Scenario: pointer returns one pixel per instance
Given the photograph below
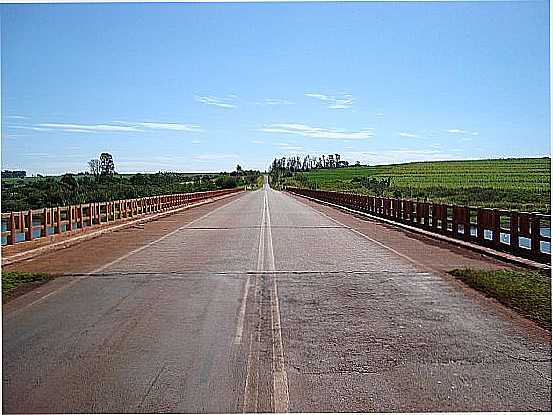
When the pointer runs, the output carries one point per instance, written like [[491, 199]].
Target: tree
[[107, 167], [94, 166], [69, 182], [238, 168]]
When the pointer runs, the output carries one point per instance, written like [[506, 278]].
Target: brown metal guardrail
[[33, 224], [522, 234]]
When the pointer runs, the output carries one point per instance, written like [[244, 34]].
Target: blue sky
[[202, 87]]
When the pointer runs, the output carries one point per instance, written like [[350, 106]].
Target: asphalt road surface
[[265, 304]]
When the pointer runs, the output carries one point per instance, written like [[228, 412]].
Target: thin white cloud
[[343, 102], [41, 155], [123, 126], [409, 135], [460, 131], [399, 156], [87, 128], [196, 142], [12, 136], [25, 127], [170, 126], [16, 117], [258, 142], [274, 101], [226, 102], [317, 132]]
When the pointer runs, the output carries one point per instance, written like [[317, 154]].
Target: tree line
[[287, 166], [102, 184], [295, 163], [14, 174]]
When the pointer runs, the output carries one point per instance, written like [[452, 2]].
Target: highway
[[265, 303]]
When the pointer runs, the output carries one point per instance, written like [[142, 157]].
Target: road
[[265, 304]]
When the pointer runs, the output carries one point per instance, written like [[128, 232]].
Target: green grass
[[11, 280], [527, 292], [521, 183]]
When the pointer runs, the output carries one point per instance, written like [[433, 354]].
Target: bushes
[[75, 189]]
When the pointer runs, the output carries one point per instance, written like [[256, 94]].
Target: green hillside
[[522, 183]]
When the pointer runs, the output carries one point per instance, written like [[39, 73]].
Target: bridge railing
[[32, 224], [522, 234]]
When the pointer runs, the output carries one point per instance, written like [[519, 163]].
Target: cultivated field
[[522, 183]]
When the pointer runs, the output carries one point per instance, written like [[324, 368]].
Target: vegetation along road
[[266, 302], [518, 183]]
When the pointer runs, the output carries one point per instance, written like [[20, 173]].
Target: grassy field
[[14, 282], [523, 183], [527, 292]]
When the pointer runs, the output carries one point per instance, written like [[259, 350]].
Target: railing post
[[466, 225], [513, 232], [70, 218], [57, 228], [44, 226], [479, 225], [81, 220], [496, 237], [21, 222], [12, 236], [536, 236], [99, 212], [454, 222], [426, 214], [29, 236], [434, 211]]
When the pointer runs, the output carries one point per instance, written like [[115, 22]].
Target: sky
[[203, 87]]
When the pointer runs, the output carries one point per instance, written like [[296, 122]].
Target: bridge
[[264, 301]]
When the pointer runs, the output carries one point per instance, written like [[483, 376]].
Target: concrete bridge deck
[[264, 302]]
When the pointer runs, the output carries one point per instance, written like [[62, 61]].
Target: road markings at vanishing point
[[281, 397], [242, 311], [250, 386], [280, 379]]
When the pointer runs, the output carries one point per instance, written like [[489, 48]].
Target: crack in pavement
[[214, 273]]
